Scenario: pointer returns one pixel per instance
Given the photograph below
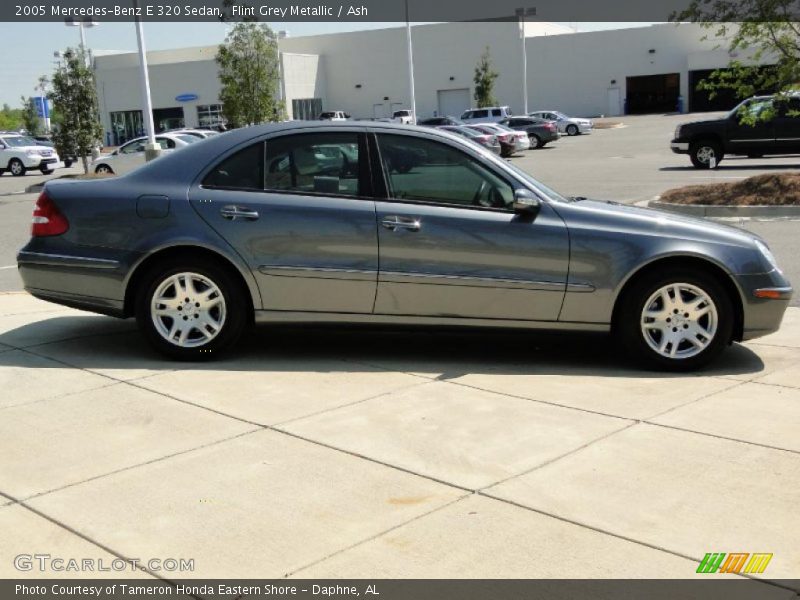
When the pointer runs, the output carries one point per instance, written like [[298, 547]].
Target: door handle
[[408, 223], [238, 212]]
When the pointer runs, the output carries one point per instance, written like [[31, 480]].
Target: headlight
[[767, 254], [677, 132], [32, 152]]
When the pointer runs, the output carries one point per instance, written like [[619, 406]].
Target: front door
[[787, 127], [451, 246], [752, 138], [298, 210]]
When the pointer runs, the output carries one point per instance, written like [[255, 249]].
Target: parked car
[[491, 114], [707, 142], [568, 125], [508, 142], [131, 155], [487, 140], [405, 117], [198, 133], [202, 242], [520, 138], [19, 154], [68, 159], [540, 132], [334, 115], [440, 121]]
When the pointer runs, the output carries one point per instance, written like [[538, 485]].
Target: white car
[[490, 114], [198, 133], [334, 115], [404, 117], [568, 125], [19, 153], [131, 155]]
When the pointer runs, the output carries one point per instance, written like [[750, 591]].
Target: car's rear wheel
[[536, 141], [572, 130], [677, 320], [16, 167], [191, 311], [103, 170], [67, 163], [705, 153], [46, 171]]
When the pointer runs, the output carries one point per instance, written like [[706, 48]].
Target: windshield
[[188, 138], [18, 141], [751, 107]]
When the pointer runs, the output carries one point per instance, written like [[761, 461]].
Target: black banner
[[713, 588], [379, 10]]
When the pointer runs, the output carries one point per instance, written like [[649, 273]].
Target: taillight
[[551, 127], [47, 219]]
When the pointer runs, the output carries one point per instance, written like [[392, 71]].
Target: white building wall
[[303, 77]]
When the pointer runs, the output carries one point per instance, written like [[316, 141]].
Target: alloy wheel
[[679, 321], [188, 310]]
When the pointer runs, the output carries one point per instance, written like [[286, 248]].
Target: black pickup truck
[[707, 142]]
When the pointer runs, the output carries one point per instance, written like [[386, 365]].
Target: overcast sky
[[30, 46]]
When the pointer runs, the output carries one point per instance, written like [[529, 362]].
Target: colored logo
[[186, 97], [734, 562]]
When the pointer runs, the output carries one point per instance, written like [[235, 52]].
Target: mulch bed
[[772, 189]]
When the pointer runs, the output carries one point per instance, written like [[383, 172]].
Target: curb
[[32, 189], [707, 210]]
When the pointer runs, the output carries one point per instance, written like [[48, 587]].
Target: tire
[[67, 163], [662, 338], [47, 171], [227, 308], [572, 130], [16, 168], [702, 151], [536, 141], [104, 170]]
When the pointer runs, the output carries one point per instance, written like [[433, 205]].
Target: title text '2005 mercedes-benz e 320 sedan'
[[380, 223]]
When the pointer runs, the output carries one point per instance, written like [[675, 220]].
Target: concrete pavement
[[373, 453]]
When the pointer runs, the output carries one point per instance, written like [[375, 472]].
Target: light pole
[[151, 149], [410, 70], [522, 13], [82, 24]]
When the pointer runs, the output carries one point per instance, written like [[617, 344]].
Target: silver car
[[389, 224], [568, 125]]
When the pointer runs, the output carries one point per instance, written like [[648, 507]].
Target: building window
[[306, 109], [126, 125], [210, 115]]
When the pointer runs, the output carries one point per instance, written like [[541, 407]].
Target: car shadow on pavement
[[748, 166], [92, 342]]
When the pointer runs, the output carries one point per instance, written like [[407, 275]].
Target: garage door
[[453, 102]]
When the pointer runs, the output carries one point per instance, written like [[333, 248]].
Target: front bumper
[[766, 297], [679, 147], [38, 162]]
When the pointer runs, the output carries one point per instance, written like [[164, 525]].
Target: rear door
[[787, 127], [451, 246], [298, 209]]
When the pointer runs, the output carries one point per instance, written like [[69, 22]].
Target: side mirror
[[526, 203]]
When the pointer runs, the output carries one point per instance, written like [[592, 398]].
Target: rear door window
[[243, 170]]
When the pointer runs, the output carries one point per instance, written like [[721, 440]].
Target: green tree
[[763, 31], [484, 79], [75, 98], [30, 116], [249, 75], [10, 118]]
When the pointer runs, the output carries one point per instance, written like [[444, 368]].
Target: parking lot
[[362, 453]]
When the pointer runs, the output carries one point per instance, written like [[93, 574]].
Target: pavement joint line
[[378, 535], [75, 532], [621, 536], [735, 383], [721, 437], [60, 396], [349, 404], [137, 465], [558, 458], [769, 384]]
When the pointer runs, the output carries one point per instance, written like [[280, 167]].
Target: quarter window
[[423, 170], [241, 171], [321, 163]]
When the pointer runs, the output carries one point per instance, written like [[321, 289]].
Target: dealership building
[[652, 69]]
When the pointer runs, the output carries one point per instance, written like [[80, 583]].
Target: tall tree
[[766, 32], [30, 115], [74, 95], [484, 79], [10, 118], [249, 75]]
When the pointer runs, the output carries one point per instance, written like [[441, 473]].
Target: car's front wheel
[[16, 167], [678, 319], [572, 130], [705, 154], [191, 311], [536, 141]]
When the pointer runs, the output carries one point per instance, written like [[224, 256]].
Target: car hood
[[650, 220], [702, 122], [36, 148]]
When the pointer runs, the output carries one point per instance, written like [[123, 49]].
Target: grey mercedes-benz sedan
[[381, 223]]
